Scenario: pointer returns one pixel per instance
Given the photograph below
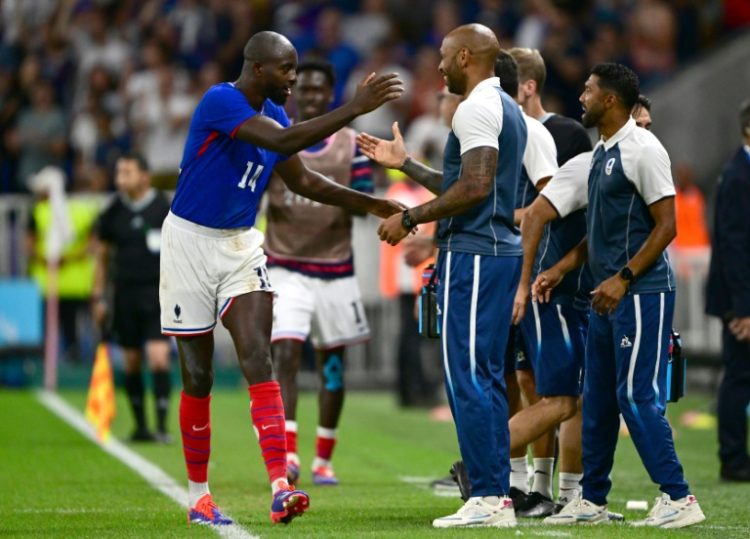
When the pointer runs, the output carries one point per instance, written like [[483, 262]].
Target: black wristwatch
[[627, 274], [406, 220]]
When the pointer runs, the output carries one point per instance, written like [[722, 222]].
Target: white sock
[[519, 475], [278, 484], [291, 426], [568, 487], [196, 491], [543, 476], [326, 433], [492, 500], [318, 462]]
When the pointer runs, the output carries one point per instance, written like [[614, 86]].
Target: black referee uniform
[[133, 232]]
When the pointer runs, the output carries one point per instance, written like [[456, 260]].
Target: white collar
[[623, 132], [492, 81]]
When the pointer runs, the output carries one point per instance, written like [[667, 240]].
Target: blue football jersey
[[222, 179]]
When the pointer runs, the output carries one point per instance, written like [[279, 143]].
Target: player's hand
[[385, 208], [374, 91], [520, 303], [606, 296], [386, 153], [391, 230], [416, 249], [545, 283], [740, 328], [99, 311]]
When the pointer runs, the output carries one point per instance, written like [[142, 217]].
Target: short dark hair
[[619, 79], [745, 118], [506, 68], [138, 158], [643, 102], [323, 66]]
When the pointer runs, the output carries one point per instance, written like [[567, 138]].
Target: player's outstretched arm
[[315, 186], [472, 187], [392, 154], [538, 214], [371, 93]]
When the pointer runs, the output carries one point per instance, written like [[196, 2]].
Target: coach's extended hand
[[374, 91], [386, 153]]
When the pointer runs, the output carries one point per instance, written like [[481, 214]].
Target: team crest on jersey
[[609, 166], [625, 342]]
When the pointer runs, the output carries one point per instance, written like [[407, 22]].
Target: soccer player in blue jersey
[[479, 262], [212, 264], [630, 221]]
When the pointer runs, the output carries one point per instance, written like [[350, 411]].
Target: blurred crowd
[[82, 81]]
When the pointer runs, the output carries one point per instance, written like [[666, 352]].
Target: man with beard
[[479, 261], [630, 221], [212, 262]]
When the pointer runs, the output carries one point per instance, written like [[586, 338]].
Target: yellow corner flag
[[100, 407]]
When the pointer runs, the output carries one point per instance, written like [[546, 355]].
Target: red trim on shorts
[[226, 308], [287, 338], [186, 333]]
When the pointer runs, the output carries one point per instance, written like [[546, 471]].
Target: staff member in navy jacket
[[728, 296]]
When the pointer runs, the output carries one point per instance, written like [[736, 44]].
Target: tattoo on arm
[[429, 177], [472, 187]]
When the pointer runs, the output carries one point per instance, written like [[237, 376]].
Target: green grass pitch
[[55, 483]]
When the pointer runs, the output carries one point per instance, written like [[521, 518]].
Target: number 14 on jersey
[[244, 182]]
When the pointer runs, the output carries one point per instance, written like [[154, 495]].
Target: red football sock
[[267, 411], [195, 426], [324, 444], [291, 439]]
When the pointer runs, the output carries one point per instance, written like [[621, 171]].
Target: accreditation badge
[[153, 240]]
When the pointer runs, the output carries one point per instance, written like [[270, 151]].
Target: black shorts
[[515, 352], [136, 316]]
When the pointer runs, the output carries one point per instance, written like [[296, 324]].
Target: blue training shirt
[[629, 172], [487, 117], [222, 179]]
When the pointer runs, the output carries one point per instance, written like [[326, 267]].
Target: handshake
[[398, 223]]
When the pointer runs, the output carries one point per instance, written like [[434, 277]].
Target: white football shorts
[[202, 270], [329, 310]]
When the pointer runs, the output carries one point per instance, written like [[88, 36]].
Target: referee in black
[[128, 237]]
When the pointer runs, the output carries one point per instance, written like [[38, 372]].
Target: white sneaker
[[669, 513], [478, 512], [579, 511]]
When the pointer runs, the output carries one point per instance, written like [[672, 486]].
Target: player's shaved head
[[479, 39], [266, 46], [270, 68]]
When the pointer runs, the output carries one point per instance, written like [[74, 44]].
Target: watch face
[[406, 220]]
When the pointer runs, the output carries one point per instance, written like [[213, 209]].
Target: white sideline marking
[[154, 476]]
